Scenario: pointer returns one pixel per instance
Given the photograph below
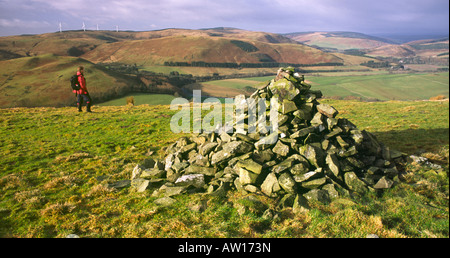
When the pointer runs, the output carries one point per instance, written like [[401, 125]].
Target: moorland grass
[[56, 164]]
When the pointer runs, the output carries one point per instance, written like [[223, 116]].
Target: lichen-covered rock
[[196, 180], [270, 185], [354, 183]]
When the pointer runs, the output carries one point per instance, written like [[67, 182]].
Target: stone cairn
[[316, 156]]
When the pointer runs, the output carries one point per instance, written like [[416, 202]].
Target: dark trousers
[[86, 98]]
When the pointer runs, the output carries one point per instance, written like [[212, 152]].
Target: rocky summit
[[315, 156]]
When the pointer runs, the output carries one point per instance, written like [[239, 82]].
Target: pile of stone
[[316, 156]]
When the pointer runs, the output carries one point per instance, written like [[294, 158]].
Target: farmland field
[[382, 87]]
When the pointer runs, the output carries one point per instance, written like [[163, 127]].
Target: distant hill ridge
[[36, 68], [344, 34]]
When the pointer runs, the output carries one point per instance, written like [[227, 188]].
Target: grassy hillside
[[141, 99], [36, 68], [338, 40], [421, 48], [44, 81], [56, 165], [207, 49]]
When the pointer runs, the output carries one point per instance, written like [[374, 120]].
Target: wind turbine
[[60, 27], [84, 27]]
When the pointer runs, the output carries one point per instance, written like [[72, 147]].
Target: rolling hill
[[206, 49], [437, 48], [77, 43], [338, 40], [44, 81], [36, 68], [373, 46]]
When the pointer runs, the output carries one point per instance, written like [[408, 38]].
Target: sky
[[373, 17]]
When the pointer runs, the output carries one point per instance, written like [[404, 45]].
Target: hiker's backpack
[[74, 83]]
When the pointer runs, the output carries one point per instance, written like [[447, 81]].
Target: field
[[56, 164], [375, 86]]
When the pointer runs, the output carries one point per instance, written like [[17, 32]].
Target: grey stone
[[332, 192], [153, 173], [120, 184], [288, 106], [302, 132], [287, 183], [283, 89], [140, 185], [300, 204], [193, 169], [300, 168], [206, 148], [333, 163], [250, 165], [354, 183], [188, 148], [238, 147], [317, 119], [313, 154], [327, 110], [383, 183], [270, 185], [317, 195], [315, 183], [251, 188], [173, 190], [281, 149], [220, 190], [304, 176], [165, 201], [284, 165], [196, 180], [262, 156], [221, 156], [179, 166], [267, 141], [136, 173], [246, 177]]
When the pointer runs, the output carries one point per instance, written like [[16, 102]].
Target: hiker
[[82, 93]]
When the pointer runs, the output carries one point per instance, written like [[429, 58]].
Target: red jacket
[[82, 81]]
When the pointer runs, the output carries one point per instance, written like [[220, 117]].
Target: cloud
[[18, 23], [264, 15]]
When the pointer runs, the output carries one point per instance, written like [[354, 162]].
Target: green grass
[[53, 160], [141, 99], [385, 87]]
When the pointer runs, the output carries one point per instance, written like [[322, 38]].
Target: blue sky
[[375, 17]]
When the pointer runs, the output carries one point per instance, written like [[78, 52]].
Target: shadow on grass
[[414, 141]]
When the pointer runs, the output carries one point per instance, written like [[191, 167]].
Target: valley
[[36, 68]]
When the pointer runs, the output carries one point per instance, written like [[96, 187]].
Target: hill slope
[[36, 68], [423, 48], [205, 49], [76, 43], [338, 40], [44, 81]]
